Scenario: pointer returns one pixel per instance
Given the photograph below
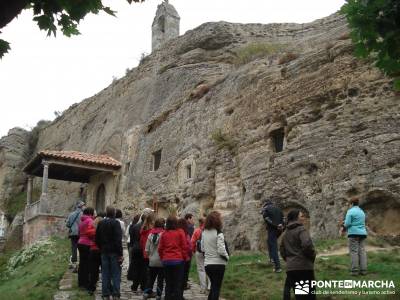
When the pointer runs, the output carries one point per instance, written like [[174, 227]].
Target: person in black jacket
[[137, 270], [298, 251], [109, 241], [273, 217]]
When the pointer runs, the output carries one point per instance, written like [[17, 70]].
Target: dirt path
[[345, 250]]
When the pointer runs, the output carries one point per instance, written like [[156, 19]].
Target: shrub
[[222, 140], [287, 57], [255, 51], [21, 258]]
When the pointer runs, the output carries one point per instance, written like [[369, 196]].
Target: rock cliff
[[240, 112]]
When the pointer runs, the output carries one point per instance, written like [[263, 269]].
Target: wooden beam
[[82, 166]]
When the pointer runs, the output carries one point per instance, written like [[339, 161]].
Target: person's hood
[[293, 225], [79, 204], [86, 217], [156, 230]]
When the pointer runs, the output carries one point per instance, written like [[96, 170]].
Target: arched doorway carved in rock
[[101, 198]]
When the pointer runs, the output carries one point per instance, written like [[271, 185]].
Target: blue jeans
[[272, 243], [110, 272]]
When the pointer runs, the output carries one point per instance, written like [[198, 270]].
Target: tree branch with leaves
[[375, 31]]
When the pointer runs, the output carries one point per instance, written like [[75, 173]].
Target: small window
[[156, 160], [127, 167], [188, 171], [161, 24], [277, 137]]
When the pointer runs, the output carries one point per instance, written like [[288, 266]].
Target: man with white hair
[[72, 224]]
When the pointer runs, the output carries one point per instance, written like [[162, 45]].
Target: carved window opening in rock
[[188, 171], [101, 198], [278, 138], [127, 167], [161, 24], [156, 160]]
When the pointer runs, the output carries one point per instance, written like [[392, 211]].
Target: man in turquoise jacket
[[357, 233]]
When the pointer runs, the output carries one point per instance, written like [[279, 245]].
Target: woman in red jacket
[[95, 255], [173, 250], [148, 224]]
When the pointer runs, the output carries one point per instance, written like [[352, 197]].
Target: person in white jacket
[[215, 253]]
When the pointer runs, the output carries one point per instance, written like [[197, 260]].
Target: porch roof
[[71, 165]]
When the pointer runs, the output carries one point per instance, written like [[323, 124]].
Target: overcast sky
[[42, 75]]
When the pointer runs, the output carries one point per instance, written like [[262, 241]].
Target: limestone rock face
[[207, 122], [14, 153]]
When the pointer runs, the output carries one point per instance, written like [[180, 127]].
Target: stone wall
[[44, 226]]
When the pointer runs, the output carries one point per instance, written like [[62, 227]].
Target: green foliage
[[4, 47], [222, 140], [63, 15], [38, 278], [375, 31], [254, 51], [26, 255]]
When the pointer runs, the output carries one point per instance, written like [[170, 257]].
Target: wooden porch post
[[43, 196], [29, 191]]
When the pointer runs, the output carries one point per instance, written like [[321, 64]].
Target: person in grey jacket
[[215, 253], [72, 224], [297, 250], [156, 269]]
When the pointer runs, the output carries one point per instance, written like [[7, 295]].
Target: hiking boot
[[363, 273], [277, 270], [354, 274]]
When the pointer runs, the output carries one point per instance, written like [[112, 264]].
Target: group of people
[[98, 239], [297, 248], [160, 251]]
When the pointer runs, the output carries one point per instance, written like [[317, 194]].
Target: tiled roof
[[98, 159]]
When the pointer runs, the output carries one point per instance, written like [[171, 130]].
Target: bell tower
[[165, 25]]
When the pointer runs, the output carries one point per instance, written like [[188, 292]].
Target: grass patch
[[37, 279], [248, 276], [255, 51], [330, 244]]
